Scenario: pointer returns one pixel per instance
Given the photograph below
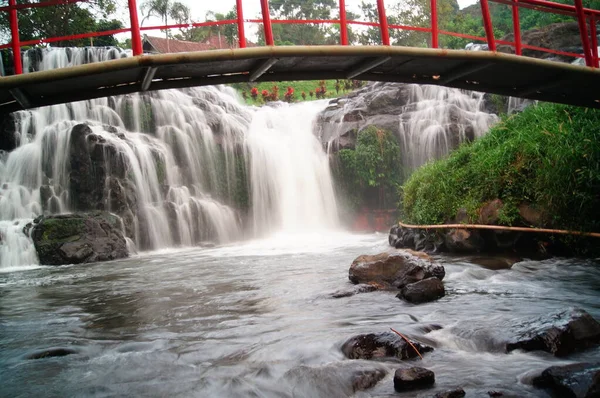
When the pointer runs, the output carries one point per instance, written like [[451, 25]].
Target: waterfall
[[428, 121], [181, 167]]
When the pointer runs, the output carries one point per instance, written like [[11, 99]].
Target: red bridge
[[488, 71]]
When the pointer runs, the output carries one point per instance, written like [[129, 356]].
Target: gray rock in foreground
[[413, 378], [560, 334], [580, 380], [79, 238], [381, 345], [456, 393]]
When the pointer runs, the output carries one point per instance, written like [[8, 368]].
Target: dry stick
[[408, 341], [501, 228]]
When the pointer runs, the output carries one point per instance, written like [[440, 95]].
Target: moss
[[63, 229]]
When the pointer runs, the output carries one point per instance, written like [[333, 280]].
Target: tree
[[164, 9], [302, 34], [64, 20]]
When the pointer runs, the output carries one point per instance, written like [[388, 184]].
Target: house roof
[[163, 45]]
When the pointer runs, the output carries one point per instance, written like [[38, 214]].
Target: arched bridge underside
[[471, 70]]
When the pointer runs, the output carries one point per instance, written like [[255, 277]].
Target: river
[[257, 319]]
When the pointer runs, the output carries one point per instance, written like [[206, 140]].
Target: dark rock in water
[[362, 288], [580, 380], [79, 238], [52, 352], [413, 378], [381, 345], [394, 269], [456, 393], [560, 334], [341, 379], [429, 289]]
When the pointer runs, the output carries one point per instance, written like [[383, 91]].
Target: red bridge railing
[[586, 19]]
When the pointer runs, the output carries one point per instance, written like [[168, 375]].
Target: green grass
[[547, 157], [298, 86]]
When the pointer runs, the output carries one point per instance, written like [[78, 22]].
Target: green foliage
[[64, 20], [370, 174], [299, 87], [547, 157]]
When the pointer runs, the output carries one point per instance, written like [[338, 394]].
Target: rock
[[397, 268], [495, 262], [361, 288], [580, 380], [531, 215], [429, 289], [561, 334], [381, 345], [413, 378], [79, 238], [340, 379], [456, 393], [464, 241], [51, 352], [489, 213]]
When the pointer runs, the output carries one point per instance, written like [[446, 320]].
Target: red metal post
[[240, 24], [136, 38], [517, 28], [434, 24], [383, 24], [343, 23], [594, 35], [264, 5], [487, 24], [15, 41], [587, 52]]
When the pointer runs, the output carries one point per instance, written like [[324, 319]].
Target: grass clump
[[547, 157]]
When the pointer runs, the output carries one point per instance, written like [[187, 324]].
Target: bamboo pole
[[501, 228]]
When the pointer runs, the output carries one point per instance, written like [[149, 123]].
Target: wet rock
[[79, 238], [413, 379], [580, 380], [429, 289], [531, 215], [361, 288], [464, 241], [490, 212], [397, 268], [341, 379], [52, 352], [456, 393], [561, 334], [381, 345]]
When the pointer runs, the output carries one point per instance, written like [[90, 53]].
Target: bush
[[547, 157]]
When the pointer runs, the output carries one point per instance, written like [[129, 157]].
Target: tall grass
[[547, 157]]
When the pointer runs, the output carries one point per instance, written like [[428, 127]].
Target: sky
[[251, 9]]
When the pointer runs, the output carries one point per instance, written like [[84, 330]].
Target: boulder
[[489, 213], [52, 352], [456, 393], [464, 241], [79, 238], [429, 289], [397, 268], [560, 334], [381, 345], [580, 380], [413, 378]]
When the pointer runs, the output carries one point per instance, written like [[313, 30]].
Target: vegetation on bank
[[369, 175], [547, 158], [294, 91]]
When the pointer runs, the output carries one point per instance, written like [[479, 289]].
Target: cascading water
[[179, 166], [429, 121]]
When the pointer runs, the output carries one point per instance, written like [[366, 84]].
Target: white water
[[429, 121], [180, 154]]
